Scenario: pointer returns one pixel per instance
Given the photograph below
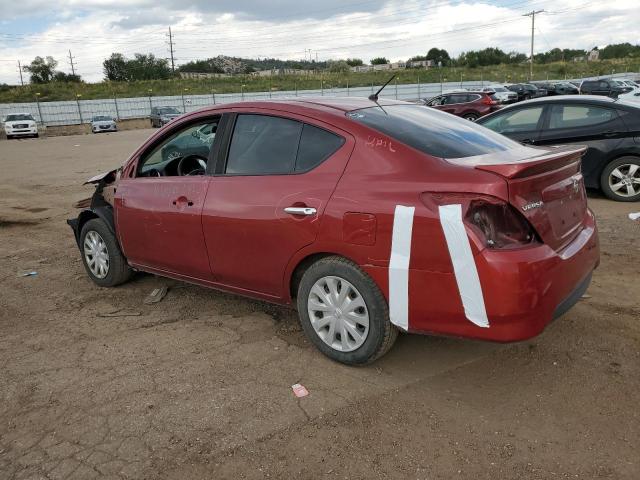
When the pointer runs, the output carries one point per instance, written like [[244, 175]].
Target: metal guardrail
[[77, 112]]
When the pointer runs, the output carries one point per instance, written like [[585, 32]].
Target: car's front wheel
[[472, 117], [101, 255], [343, 312], [620, 180]]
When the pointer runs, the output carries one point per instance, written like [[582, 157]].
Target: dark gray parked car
[[606, 87], [162, 115], [609, 128]]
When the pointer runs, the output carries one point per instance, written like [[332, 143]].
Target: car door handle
[[609, 134], [528, 141], [300, 210]]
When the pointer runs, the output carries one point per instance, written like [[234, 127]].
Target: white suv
[[20, 125]]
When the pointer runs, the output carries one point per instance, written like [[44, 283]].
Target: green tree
[[66, 77], [379, 61], [41, 69], [354, 62], [338, 66], [115, 68], [439, 56]]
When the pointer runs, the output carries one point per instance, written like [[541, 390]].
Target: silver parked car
[[103, 123]]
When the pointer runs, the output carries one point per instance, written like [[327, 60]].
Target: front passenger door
[[158, 210]]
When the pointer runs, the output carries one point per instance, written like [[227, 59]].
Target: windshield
[[168, 111], [19, 116], [102, 118], [498, 89], [433, 132]]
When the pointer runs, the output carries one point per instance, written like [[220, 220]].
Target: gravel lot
[[95, 384]]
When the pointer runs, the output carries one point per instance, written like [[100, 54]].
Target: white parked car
[[20, 125], [103, 123], [630, 83], [632, 96], [503, 94]]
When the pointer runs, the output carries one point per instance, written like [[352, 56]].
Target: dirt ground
[[95, 384]]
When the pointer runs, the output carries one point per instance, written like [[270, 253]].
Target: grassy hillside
[[498, 73]]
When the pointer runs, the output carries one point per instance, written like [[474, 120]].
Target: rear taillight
[[491, 222], [487, 100], [499, 225]]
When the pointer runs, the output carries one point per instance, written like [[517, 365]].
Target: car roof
[[567, 99], [19, 113]]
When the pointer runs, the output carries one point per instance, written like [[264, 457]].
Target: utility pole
[[173, 65], [20, 70], [73, 69], [532, 14]]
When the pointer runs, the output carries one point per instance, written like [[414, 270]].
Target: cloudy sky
[[397, 29]]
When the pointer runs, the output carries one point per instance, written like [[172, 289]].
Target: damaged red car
[[369, 217]]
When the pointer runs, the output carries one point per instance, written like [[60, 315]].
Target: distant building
[[398, 65], [382, 66], [362, 68], [594, 55], [421, 64], [283, 71], [197, 75]]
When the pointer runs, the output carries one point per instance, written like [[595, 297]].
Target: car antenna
[[374, 96]]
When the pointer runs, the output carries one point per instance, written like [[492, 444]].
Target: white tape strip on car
[[399, 266], [464, 265]]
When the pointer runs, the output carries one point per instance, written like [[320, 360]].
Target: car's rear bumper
[[523, 290]]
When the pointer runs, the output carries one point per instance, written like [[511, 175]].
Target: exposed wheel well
[[302, 267]]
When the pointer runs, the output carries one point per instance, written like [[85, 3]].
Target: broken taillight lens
[[491, 222], [498, 225]]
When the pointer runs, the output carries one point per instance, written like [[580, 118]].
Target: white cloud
[[93, 29]]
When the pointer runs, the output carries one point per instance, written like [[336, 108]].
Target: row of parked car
[[609, 127], [473, 104]]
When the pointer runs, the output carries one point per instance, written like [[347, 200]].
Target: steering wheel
[[192, 165]]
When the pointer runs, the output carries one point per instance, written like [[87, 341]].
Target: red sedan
[[369, 217]]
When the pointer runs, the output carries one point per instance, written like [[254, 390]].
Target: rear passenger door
[[267, 196], [597, 127]]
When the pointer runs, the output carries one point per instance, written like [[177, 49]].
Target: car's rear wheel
[[620, 180], [344, 313], [101, 255], [472, 117]]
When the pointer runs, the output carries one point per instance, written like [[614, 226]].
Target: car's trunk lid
[[545, 185]]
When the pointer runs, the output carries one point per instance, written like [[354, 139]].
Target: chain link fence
[[77, 112]]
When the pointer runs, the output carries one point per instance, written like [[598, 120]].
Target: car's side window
[[574, 116], [263, 145], [194, 141], [316, 145], [521, 120], [269, 145]]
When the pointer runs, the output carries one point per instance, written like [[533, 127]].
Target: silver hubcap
[[96, 254], [625, 180], [338, 314]]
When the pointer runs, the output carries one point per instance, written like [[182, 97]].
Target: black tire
[[9, 137], [36, 135], [472, 117], [607, 173], [381, 335], [118, 270]]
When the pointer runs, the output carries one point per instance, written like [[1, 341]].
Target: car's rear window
[[433, 132]]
